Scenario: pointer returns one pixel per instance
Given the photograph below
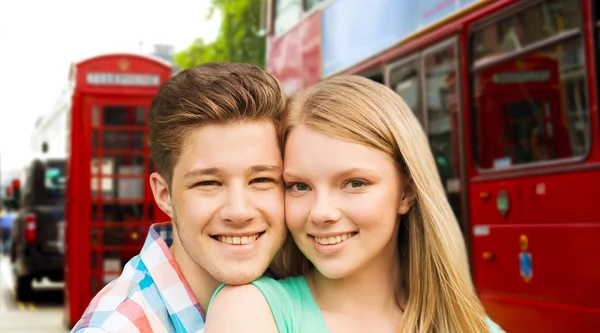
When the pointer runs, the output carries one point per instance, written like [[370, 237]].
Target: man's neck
[[203, 285]]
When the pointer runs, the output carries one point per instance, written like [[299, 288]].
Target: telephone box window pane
[[94, 186], [94, 237], [122, 164], [150, 208], [118, 188], [109, 277], [120, 115], [94, 211], [128, 236], [151, 167], [95, 116], [104, 184], [530, 140], [112, 265], [94, 285], [119, 164], [94, 260], [122, 140], [121, 212], [95, 139], [130, 188]]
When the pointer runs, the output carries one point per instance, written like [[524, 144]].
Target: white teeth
[[237, 240], [334, 239]]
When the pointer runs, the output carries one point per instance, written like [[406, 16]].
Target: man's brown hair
[[212, 93]]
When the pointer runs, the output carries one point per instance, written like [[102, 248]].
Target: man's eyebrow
[[203, 172], [265, 167]]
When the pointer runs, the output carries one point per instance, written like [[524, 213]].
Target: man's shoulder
[[131, 303]]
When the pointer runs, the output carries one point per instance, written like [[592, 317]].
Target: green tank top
[[294, 308]]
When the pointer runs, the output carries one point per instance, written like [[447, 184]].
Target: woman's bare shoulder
[[240, 308]]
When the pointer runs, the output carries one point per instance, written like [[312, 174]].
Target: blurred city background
[[507, 91]]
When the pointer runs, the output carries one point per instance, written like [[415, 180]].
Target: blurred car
[[37, 249]]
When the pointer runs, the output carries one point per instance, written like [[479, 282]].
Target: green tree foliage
[[238, 39]]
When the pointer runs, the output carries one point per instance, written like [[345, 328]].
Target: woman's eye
[[356, 184], [297, 187]]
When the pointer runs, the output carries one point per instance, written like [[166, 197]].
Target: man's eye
[[208, 183], [297, 187], [262, 180]]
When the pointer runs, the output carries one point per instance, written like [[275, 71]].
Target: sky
[[39, 39]]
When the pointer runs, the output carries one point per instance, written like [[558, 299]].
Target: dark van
[[38, 231]]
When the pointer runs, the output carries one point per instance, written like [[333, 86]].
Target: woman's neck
[[375, 288]]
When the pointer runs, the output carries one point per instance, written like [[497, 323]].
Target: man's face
[[227, 200]]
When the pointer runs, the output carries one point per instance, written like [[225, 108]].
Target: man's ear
[[409, 195], [160, 190]]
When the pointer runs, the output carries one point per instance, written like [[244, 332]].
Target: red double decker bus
[[507, 93]]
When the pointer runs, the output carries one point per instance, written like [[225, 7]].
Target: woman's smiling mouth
[[332, 240]]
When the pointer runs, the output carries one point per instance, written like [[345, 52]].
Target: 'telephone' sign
[[146, 80]]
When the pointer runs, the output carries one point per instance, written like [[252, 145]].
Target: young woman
[[375, 246]]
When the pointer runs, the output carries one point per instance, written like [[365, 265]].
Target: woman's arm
[[240, 309]]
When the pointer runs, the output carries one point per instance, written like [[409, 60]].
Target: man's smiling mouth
[[238, 240]]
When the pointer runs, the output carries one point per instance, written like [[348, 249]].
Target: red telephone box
[[522, 103], [109, 201]]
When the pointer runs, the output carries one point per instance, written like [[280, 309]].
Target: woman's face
[[342, 202]]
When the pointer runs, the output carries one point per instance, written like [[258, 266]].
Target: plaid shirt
[[151, 295]]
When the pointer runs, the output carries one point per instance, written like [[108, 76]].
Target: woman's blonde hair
[[439, 294]]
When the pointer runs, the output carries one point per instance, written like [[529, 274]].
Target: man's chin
[[241, 277]]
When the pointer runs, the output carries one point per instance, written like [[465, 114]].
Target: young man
[[214, 143]]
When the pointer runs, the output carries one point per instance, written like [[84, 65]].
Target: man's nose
[[238, 208]]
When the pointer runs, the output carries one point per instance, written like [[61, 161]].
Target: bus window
[[530, 105], [404, 80], [310, 4], [441, 102], [287, 15], [373, 74], [534, 24]]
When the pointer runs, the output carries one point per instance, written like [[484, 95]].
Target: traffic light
[[13, 195], [16, 186]]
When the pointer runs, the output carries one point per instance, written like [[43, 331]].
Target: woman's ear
[[408, 195]]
